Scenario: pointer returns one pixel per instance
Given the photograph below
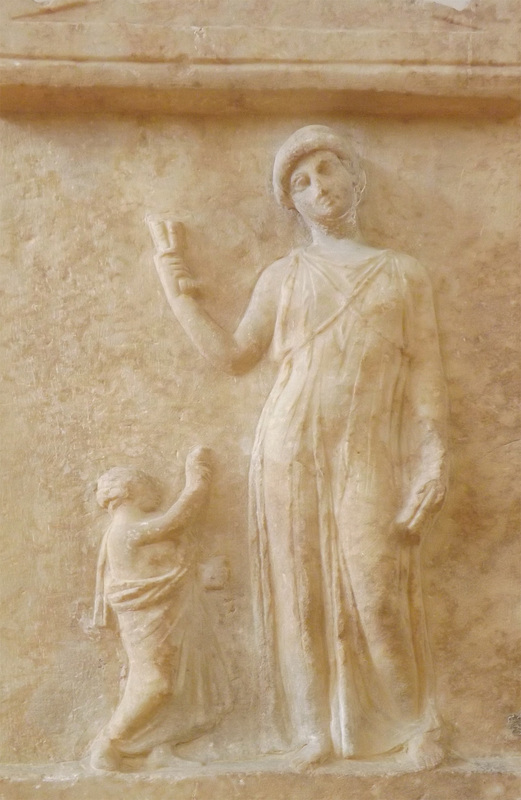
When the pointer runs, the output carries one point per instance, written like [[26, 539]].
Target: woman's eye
[[299, 183], [324, 168]]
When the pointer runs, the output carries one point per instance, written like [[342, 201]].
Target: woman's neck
[[349, 246], [349, 238]]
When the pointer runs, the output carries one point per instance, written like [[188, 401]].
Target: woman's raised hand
[[169, 239], [174, 275]]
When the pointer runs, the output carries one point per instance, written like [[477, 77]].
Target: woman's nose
[[318, 185]]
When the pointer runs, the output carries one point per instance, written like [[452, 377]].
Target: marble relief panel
[[324, 412]]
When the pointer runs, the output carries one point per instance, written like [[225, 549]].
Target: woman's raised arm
[[234, 353]]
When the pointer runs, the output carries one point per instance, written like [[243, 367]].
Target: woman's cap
[[301, 143]]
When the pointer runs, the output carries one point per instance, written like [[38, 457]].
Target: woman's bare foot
[[104, 755], [425, 750], [316, 750]]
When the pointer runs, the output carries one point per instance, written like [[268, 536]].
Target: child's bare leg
[[145, 692], [103, 754]]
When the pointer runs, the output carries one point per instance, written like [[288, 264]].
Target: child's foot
[[316, 750], [163, 756], [104, 755]]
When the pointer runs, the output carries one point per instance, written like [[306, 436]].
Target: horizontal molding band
[[385, 89], [97, 41]]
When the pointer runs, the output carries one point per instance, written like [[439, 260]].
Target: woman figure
[[347, 471]]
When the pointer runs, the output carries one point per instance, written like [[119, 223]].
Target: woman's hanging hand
[[422, 506]]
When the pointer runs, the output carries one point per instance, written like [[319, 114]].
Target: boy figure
[[145, 575]]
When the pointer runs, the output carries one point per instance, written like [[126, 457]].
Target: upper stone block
[[392, 58]]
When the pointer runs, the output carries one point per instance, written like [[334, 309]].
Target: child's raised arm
[[198, 471]]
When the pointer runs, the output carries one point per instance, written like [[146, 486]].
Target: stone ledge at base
[[486, 779]]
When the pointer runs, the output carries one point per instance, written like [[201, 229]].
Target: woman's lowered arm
[[426, 411]]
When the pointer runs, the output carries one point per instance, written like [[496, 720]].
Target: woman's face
[[321, 188]]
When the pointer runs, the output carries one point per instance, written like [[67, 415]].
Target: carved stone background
[[95, 371]]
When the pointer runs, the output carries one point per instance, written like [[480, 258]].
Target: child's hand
[[199, 465]]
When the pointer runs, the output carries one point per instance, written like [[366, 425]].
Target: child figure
[[146, 576]]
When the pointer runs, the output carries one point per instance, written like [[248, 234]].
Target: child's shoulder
[[120, 533]]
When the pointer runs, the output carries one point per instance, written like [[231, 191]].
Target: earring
[[351, 216]]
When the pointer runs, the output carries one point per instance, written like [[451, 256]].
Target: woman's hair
[[304, 142], [123, 483]]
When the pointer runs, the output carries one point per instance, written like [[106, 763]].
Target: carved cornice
[[130, 67]]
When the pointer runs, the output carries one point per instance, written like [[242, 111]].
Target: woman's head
[[121, 484], [317, 173]]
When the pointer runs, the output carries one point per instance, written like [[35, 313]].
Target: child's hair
[[124, 483]]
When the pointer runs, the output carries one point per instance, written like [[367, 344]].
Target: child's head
[[121, 484]]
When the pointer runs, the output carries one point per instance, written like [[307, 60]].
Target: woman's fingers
[[169, 263], [431, 502], [427, 502], [174, 274], [187, 285]]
